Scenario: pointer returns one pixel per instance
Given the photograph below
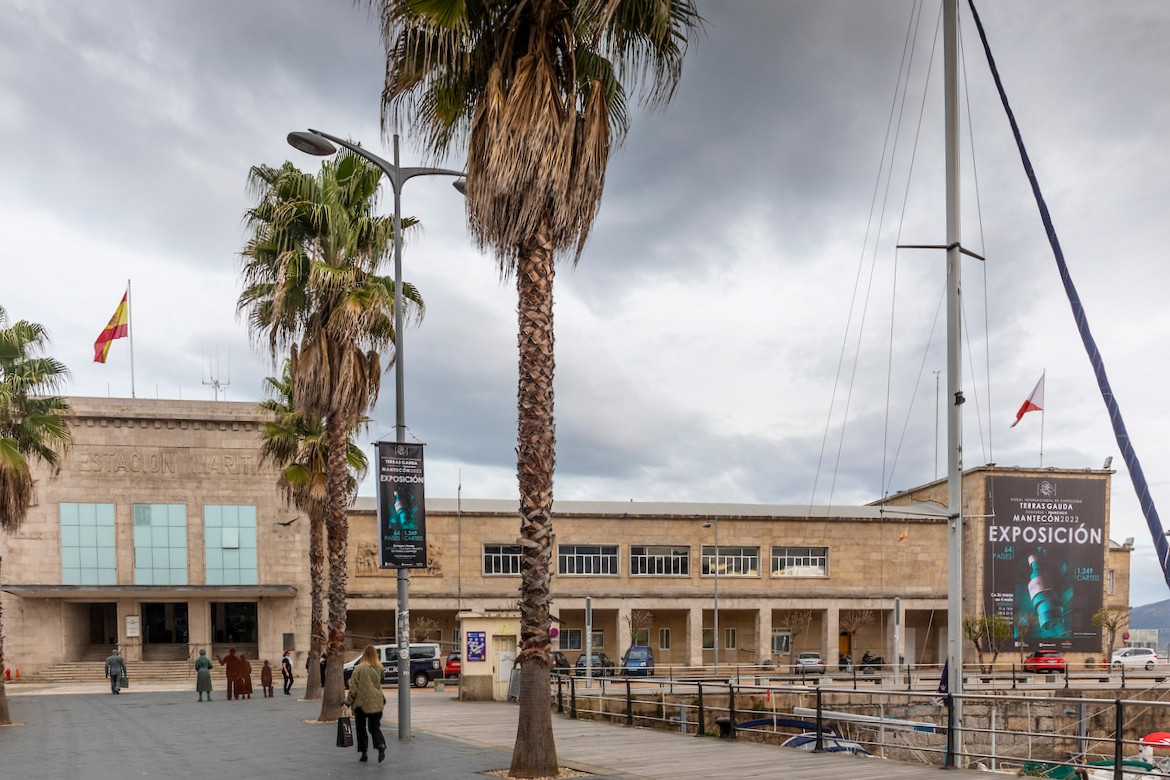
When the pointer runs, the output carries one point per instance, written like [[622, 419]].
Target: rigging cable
[[1128, 454]]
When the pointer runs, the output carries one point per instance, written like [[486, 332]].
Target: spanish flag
[[119, 328]]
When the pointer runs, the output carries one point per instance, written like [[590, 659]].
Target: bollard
[[572, 698], [819, 747], [1013, 677], [949, 759], [702, 728], [560, 693]]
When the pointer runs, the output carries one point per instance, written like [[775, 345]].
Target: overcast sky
[[716, 312]]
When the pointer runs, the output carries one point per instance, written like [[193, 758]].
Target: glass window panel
[[247, 538], [214, 576], [143, 576], [213, 537], [88, 576], [231, 559], [231, 516], [158, 536], [231, 538], [177, 537], [161, 576], [107, 577], [107, 558], [247, 516], [88, 557], [141, 514], [212, 516], [247, 558], [141, 536], [70, 557], [178, 559], [87, 536], [69, 514], [158, 514], [70, 575], [214, 558], [105, 514], [178, 576], [176, 515], [70, 536], [87, 514], [105, 536]]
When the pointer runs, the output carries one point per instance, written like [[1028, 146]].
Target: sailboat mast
[[954, 372]]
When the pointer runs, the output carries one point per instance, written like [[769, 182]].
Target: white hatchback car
[[1134, 657]]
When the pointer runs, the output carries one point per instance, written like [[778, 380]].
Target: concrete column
[[624, 635], [199, 625], [695, 636], [764, 635], [831, 633]]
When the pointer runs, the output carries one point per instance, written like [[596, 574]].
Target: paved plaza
[[160, 730]]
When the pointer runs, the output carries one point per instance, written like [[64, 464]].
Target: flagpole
[[130, 334], [1042, 408]]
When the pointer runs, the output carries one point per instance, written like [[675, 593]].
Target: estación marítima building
[[163, 533]]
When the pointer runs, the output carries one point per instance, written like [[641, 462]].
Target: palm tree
[[32, 428], [534, 88], [312, 291], [296, 445]]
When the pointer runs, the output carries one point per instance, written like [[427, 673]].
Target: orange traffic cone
[[18, 674]]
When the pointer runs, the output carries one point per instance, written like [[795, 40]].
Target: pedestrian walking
[[286, 672], [203, 675], [266, 680], [367, 700], [115, 670]]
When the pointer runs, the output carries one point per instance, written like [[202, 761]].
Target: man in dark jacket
[[115, 670]]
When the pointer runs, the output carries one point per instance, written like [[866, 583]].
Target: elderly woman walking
[[366, 698], [203, 675]]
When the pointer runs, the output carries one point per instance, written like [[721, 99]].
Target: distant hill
[[1156, 615]]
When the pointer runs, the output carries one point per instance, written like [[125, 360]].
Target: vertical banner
[[402, 520], [1044, 558]]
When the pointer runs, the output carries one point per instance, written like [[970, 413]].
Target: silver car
[[809, 663], [1134, 658]]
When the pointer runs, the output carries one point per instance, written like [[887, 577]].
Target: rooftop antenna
[[213, 376]]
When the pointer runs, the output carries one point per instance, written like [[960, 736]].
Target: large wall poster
[[1044, 559]]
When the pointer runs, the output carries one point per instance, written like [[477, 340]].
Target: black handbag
[[124, 681], [344, 732]]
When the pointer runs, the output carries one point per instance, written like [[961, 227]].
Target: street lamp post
[[714, 523], [318, 143]]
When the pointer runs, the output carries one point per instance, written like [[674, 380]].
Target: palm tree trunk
[[336, 471], [535, 753], [316, 601], [5, 718]]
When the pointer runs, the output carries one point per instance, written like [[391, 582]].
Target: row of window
[[571, 639], [88, 544], [666, 561]]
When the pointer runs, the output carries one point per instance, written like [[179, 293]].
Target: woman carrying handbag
[[366, 698]]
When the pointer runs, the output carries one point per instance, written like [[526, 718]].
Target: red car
[[1044, 661], [454, 665]]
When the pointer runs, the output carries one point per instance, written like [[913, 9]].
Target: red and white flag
[[1035, 402]]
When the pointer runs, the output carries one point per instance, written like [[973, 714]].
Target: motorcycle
[[844, 662], [872, 663]]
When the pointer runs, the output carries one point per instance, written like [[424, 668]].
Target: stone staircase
[[94, 671]]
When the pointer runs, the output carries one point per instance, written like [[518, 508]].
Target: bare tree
[[853, 620], [421, 629], [639, 620], [798, 622], [988, 635], [1112, 619]]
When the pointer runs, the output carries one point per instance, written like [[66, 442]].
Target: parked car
[[560, 662], [454, 665], [1044, 661], [638, 660], [426, 664], [809, 663], [1134, 657], [601, 665]]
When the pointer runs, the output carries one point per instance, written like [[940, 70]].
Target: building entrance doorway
[[234, 622], [103, 624], [164, 631]]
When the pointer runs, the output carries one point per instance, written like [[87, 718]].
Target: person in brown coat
[[266, 680], [232, 670], [245, 677]]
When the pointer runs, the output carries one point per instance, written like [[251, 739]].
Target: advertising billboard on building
[[1044, 559], [402, 518]]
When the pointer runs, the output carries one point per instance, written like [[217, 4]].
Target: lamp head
[[311, 143], [461, 185], [707, 524]]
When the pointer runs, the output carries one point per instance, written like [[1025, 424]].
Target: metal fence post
[[560, 693], [731, 708], [701, 728], [1013, 676], [819, 747], [1118, 726], [949, 758], [572, 698], [629, 704]]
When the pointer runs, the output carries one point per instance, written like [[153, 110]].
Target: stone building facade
[[164, 533]]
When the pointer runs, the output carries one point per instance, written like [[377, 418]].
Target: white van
[[426, 663]]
